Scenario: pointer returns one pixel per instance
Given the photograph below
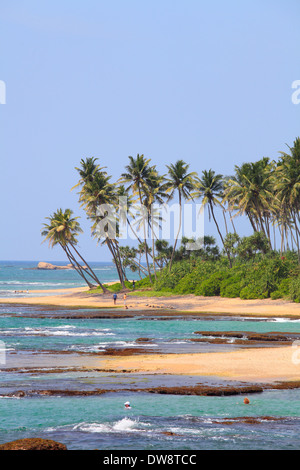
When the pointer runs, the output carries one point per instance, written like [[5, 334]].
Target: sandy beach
[[259, 364], [256, 365], [183, 304]]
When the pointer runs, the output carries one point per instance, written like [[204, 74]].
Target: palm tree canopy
[[138, 174], [87, 170], [210, 188], [62, 229], [249, 190], [179, 179]]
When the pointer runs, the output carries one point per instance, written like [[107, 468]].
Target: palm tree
[[97, 191], [210, 188], [156, 192], [181, 182], [286, 181], [63, 230], [249, 192], [87, 171], [138, 176], [125, 211]]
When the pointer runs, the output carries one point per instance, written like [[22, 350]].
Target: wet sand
[[255, 365]]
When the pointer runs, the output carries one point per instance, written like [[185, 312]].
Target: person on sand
[[115, 298], [133, 284], [124, 298]]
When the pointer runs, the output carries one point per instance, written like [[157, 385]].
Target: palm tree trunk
[[120, 274], [297, 234], [213, 215], [231, 220], [75, 266], [178, 231], [120, 262], [90, 272], [146, 247], [251, 221], [153, 252], [225, 221], [83, 271]]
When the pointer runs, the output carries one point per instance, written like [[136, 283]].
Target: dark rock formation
[[143, 340], [43, 265], [33, 444]]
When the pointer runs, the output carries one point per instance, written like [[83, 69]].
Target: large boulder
[[43, 265], [34, 443]]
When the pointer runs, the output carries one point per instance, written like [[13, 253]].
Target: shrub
[[145, 282], [212, 285], [167, 281], [114, 287], [265, 275], [187, 284], [283, 290], [253, 292], [231, 286], [294, 289]]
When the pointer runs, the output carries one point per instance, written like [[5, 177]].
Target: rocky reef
[[34, 443]]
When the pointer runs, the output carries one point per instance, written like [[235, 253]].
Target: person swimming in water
[[127, 405]]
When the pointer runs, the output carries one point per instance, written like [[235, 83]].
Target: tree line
[[266, 192]]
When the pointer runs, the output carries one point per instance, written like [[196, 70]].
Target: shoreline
[[79, 297]]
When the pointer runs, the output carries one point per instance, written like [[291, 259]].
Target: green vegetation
[[263, 276]]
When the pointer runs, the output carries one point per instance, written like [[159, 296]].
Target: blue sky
[[207, 82]]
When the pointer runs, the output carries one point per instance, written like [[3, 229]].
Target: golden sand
[[251, 365]]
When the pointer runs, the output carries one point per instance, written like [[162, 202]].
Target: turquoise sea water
[[23, 275], [155, 421], [196, 422]]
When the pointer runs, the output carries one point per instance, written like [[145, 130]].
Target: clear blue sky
[[208, 82]]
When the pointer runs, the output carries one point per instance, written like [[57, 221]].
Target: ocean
[[46, 392], [18, 276]]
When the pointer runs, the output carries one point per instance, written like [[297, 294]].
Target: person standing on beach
[[115, 298], [124, 298]]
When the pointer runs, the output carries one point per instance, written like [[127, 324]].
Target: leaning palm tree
[[96, 193], [63, 230], [210, 188], [181, 182]]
